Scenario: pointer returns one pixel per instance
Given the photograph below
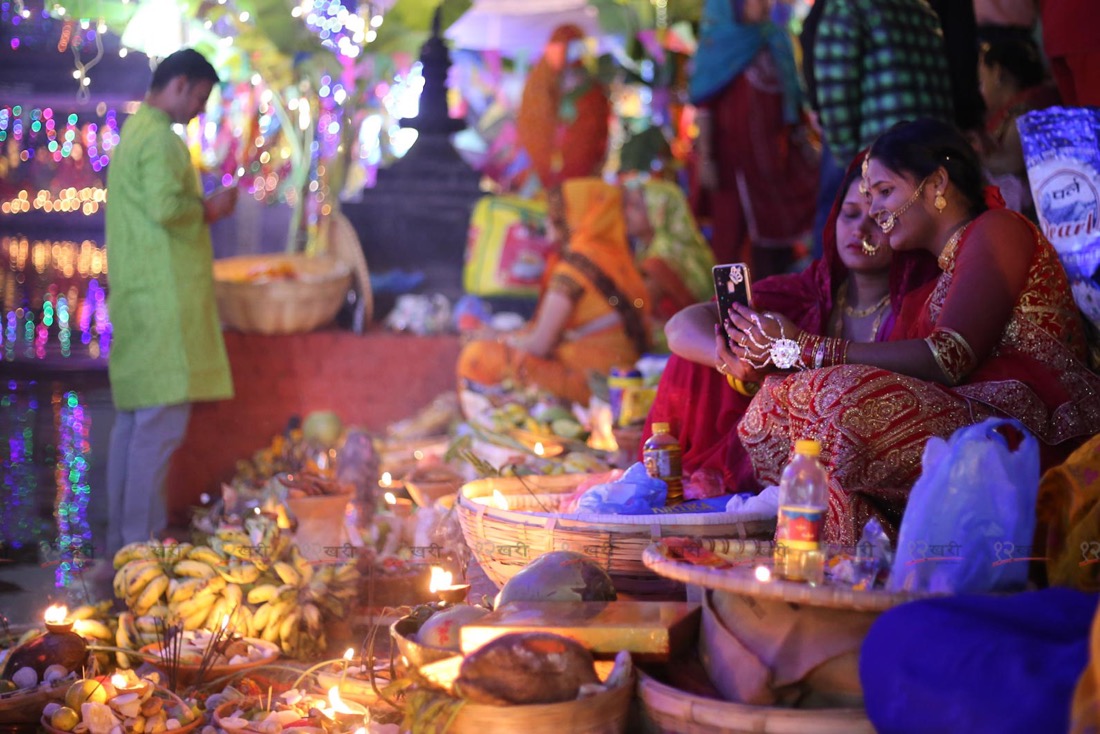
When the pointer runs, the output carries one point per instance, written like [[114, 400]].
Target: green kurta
[[167, 345]]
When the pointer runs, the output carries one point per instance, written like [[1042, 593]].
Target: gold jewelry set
[[878, 308]]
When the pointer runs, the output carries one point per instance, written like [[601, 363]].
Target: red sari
[[697, 402], [873, 424]]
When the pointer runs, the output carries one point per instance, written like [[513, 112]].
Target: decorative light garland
[[74, 533]]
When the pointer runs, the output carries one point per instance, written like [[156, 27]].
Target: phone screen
[[731, 285]]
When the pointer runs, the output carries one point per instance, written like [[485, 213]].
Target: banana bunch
[[257, 581]]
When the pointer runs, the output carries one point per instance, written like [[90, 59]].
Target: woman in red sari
[[851, 291], [997, 333]]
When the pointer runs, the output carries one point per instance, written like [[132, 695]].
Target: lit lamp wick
[[441, 585], [539, 449], [57, 618]]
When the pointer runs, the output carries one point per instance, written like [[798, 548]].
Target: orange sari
[[608, 322], [873, 424]]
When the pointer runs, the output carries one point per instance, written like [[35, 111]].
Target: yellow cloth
[[1068, 512]]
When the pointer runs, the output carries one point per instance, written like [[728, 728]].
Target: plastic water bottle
[[803, 500], [661, 454]]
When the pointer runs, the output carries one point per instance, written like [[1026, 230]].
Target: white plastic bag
[[975, 497]]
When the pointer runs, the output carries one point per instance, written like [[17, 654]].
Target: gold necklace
[[842, 301], [862, 313], [948, 253]]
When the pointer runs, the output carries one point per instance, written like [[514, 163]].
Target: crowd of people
[[934, 300]]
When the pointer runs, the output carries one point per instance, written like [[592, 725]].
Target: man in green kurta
[[167, 349]]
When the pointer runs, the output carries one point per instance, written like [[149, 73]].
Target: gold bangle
[[748, 389]]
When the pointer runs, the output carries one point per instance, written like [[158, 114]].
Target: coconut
[[559, 576]]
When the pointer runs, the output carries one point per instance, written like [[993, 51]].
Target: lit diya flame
[[540, 450], [56, 614], [391, 498], [763, 574], [349, 654], [500, 502], [341, 708], [440, 580], [387, 480], [124, 684]]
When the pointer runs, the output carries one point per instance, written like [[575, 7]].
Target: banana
[[245, 573], [196, 605], [242, 621], [287, 594], [146, 572], [184, 589], [146, 624], [93, 628], [159, 611], [133, 552], [346, 573], [89, 611], [301, 565], [311, 615], [150, 595], [262, 593], [211, 586], [271, 632], [194, 621], [206, 554], [287, 573], [217, 614], [125, 637], [260, 617], [233, 596], [172, 553], [194, 569]]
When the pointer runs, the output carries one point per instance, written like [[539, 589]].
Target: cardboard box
[[648, 630]]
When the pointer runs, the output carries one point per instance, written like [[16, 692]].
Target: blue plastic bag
[[634, 493], [971, 516]]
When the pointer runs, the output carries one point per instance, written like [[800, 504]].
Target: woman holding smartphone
[[852, 291], [997, 333]]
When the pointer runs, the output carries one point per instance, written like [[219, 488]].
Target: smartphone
[[732, 285]]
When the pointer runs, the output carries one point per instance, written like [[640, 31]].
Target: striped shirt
[[878, 62]]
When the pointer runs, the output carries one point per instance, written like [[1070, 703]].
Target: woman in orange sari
[[593, 314], [997, 333]]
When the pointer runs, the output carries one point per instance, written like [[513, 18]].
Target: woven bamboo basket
[[505, 540], [668, 709], [426, 485], [280, 306], [741, 578]]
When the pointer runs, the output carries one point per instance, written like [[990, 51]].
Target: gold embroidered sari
[[873, 423]]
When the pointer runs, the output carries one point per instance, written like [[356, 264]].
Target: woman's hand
[[752, 334], [730, 365]]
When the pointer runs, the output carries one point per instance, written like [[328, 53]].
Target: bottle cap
[[660, 428], [804, 447]]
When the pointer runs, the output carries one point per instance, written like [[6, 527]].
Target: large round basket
[[256, 304], [746, 619], [668, 709], [25, 706], [161, 692], [507, 522], [187, 672]]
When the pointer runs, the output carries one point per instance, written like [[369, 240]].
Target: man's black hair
[[186, 62]]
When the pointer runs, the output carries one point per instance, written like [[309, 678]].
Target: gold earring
[[940, 202]]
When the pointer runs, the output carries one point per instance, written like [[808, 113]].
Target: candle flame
[[391, 498], [337, 703], [56, 614], [387, 479], [763, 573], [349, 654], [500, 502], [539, 449], [440, 579]]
